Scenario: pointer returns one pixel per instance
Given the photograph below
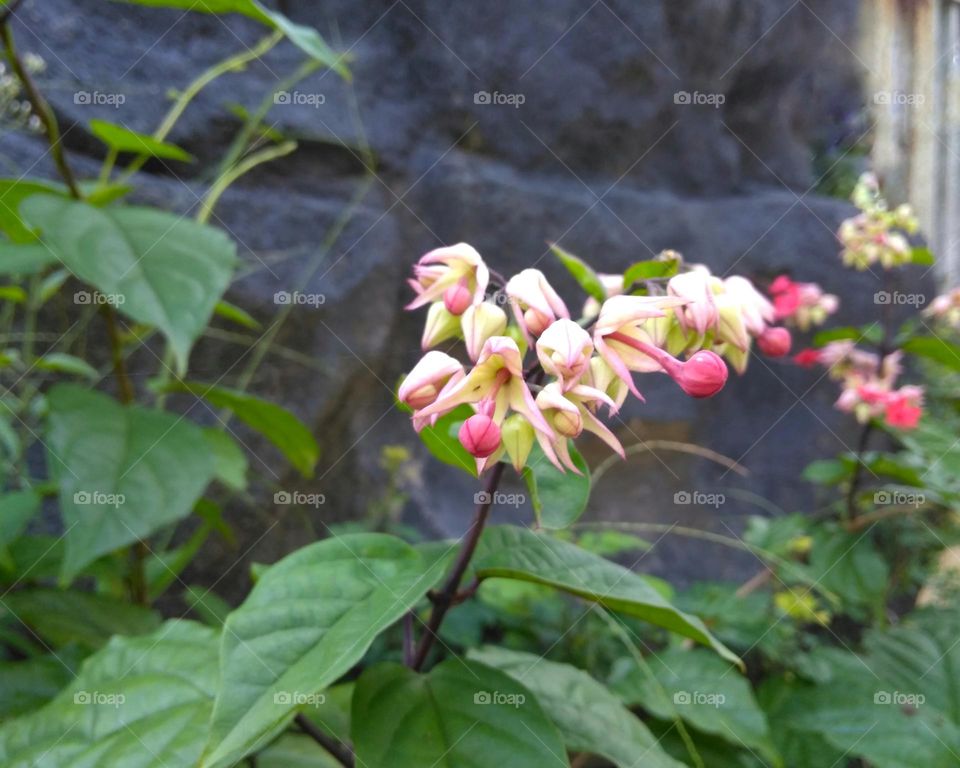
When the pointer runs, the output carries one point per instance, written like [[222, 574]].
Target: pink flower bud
[[703, 375], [775, 342], [480, 436], [457, 298]]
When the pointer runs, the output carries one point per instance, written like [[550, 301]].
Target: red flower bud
[[775, 342], [480, 436], [703, 375], [807, 358], [457, 298]]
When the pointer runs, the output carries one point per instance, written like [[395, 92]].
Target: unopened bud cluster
[[685, 331]]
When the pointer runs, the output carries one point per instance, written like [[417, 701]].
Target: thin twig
[[41, 109], [669, 445], [340, 751]]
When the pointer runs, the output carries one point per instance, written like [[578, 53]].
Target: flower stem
[[340, 751], [444, 599]]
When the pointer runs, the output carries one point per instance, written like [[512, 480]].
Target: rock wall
[[586, 140]]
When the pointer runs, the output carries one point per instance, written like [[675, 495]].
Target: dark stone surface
[[599, 156]]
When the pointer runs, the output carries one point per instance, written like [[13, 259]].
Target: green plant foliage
[[155, 267], [309, 619], [517, 553], [122, 139], [123, 471], [558, 498], [462, 715], [274, 422], [589, 717], [137, 703]]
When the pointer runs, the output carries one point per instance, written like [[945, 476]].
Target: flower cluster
[[15, 111], [802, 305], [581, 366], [876, 234], [868, 383]]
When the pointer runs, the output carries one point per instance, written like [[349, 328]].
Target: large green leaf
[[703, 690], [138, 703], [25, 258], [122, 139], [558, 498], [517, 553], [274, 422], [305, 38], [461, 715], [158, 268], [16, 510], [861, 713], [590, 718], [123, 471], [308, 620], [61, 616]]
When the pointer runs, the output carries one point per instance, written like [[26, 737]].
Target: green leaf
[[25, 258], [589, 717], [461, 714], [702, 689], [923, 256], [649, 270], [296, 750], [308, 620], [63, 616], [61, 362], [229, 460], [210, 608], [29, 684], [138, 703], [827, 471], [236, 315], [934, 348], [442, 441], [274, 422], [582, 272], [517, 553], [850, 566], [558, 498], [306, 39], [122, 139], [123, 471], [871, 333], [862, 714], [161, 269], [16, 510], [13, 293], [12, 193]]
